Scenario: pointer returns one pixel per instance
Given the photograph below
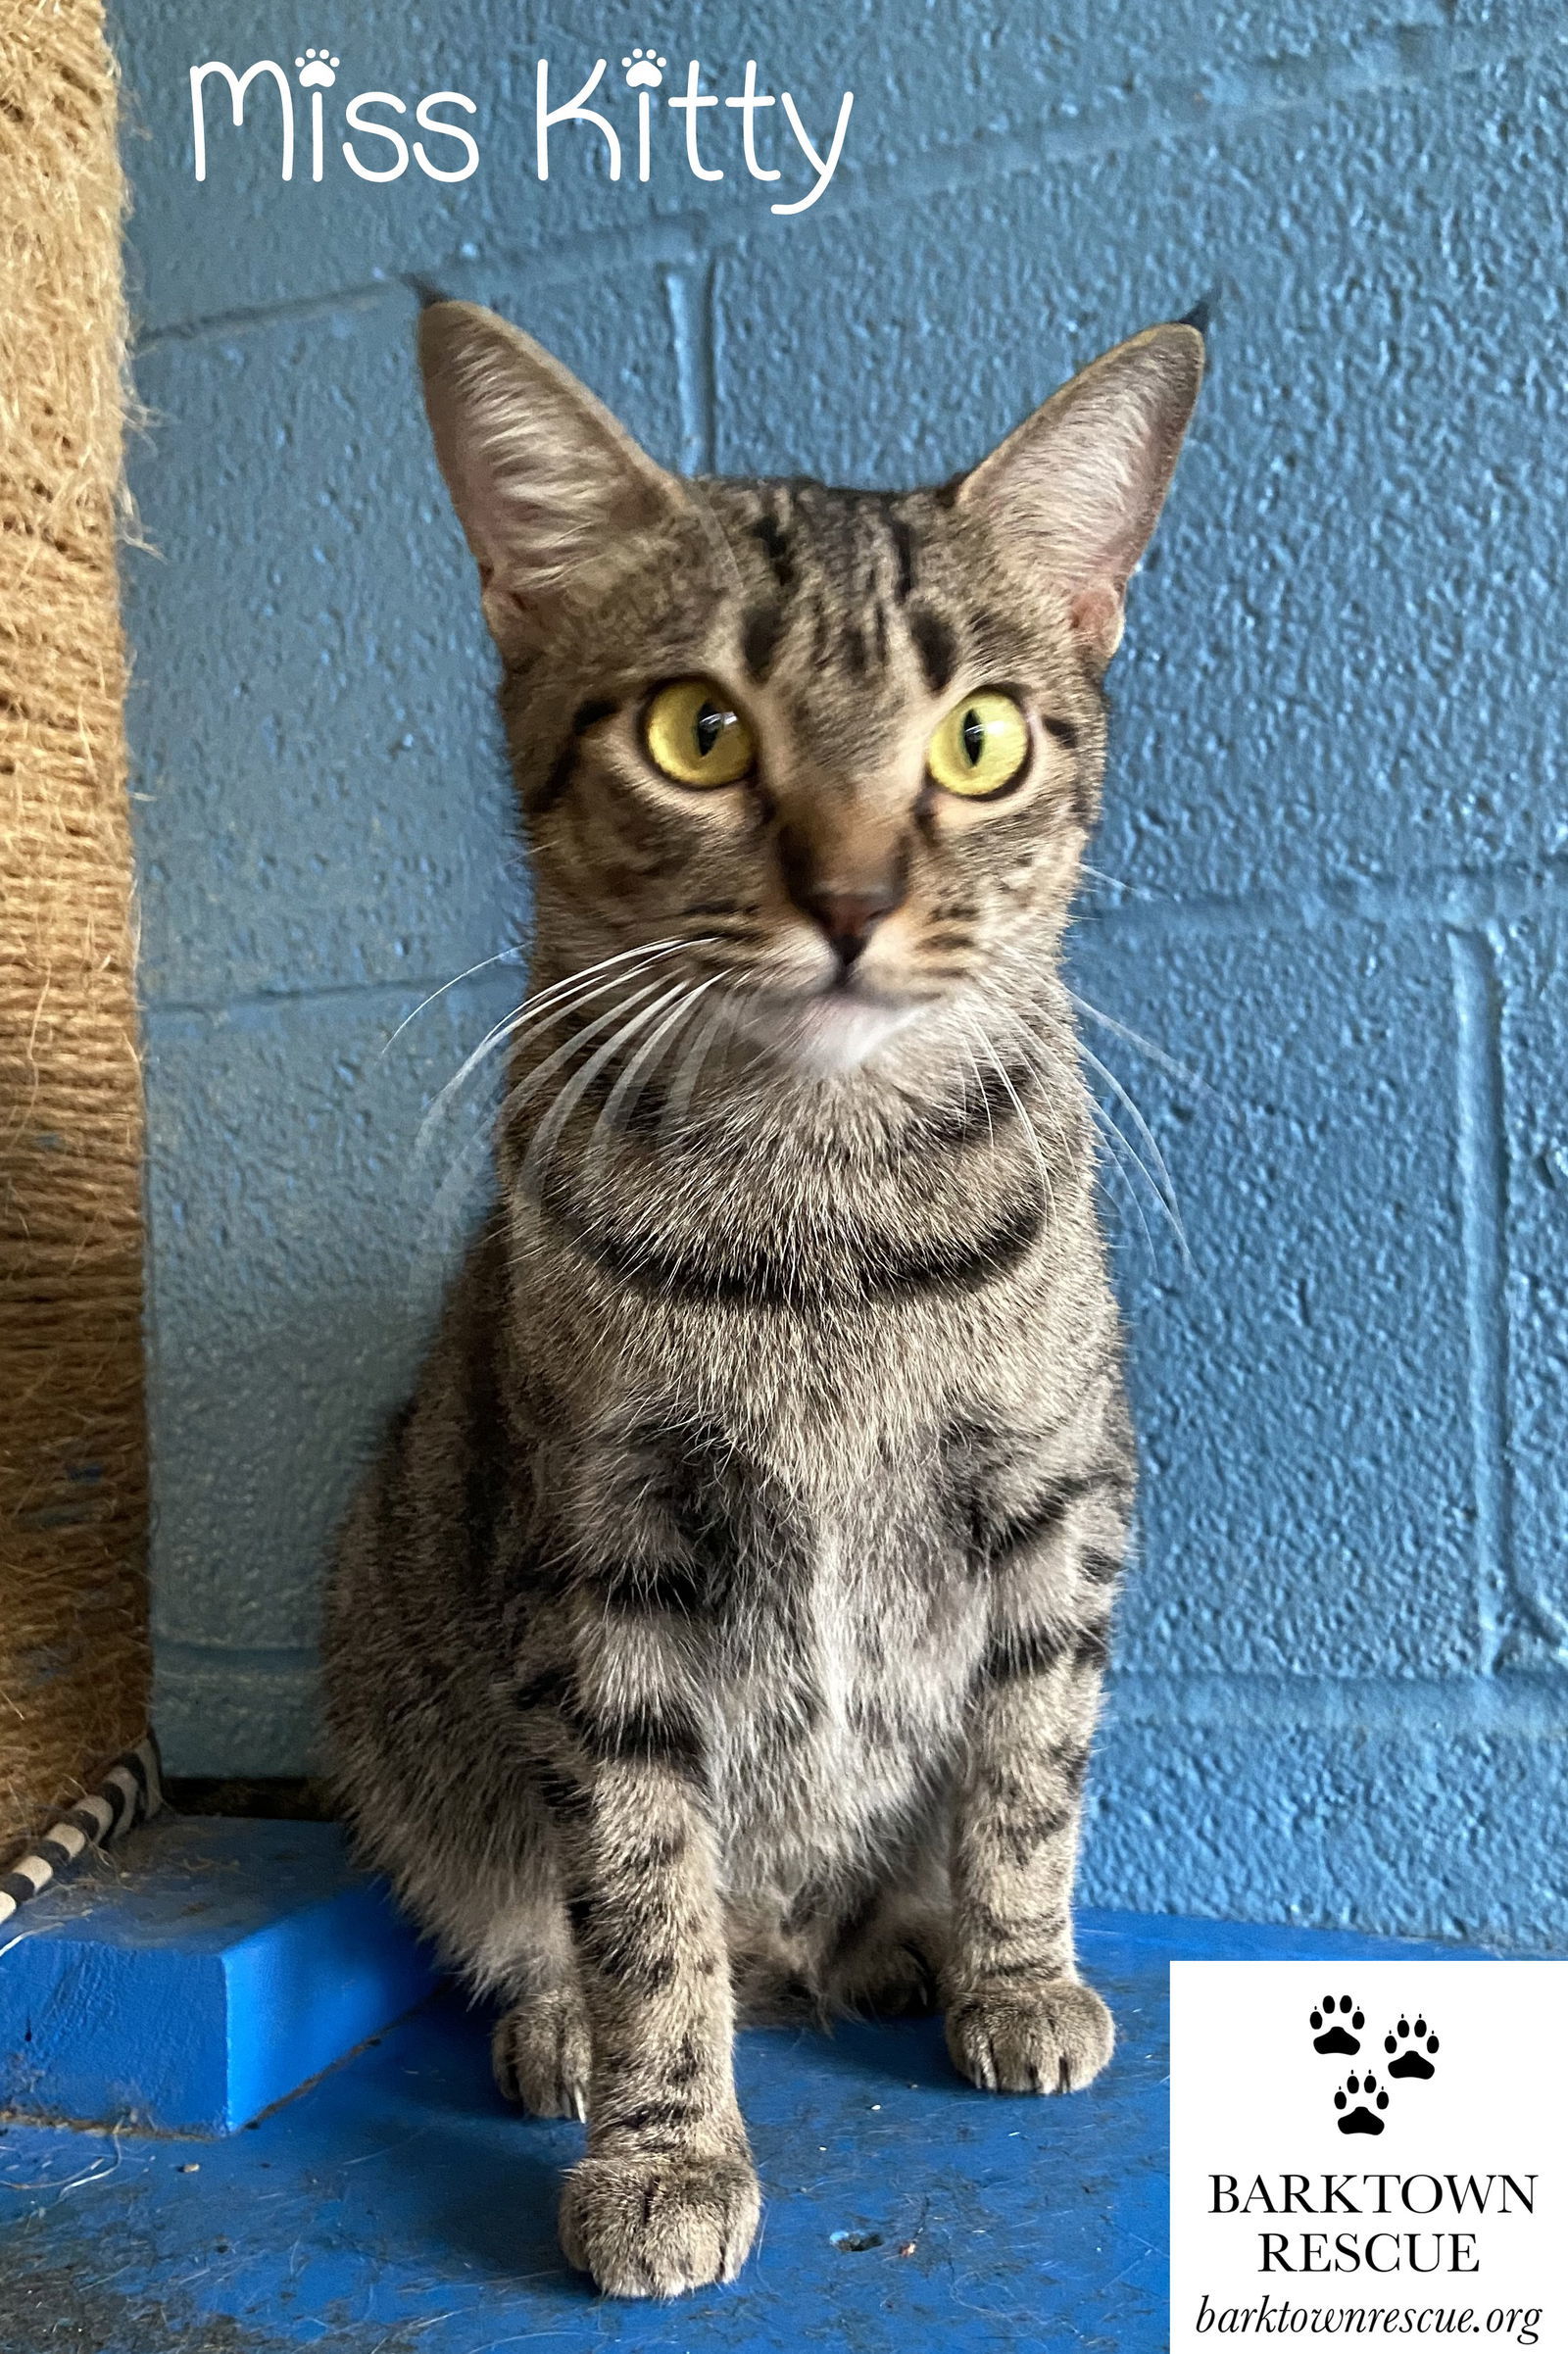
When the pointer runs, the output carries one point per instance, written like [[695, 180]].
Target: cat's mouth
[[835, 1028]]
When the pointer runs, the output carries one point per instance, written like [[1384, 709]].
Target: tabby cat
[[722, 1626]]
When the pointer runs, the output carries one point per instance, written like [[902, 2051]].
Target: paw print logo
[[1411, 2048], [644, 70], [1336, 2025], [318, 69], [1370, 2101]]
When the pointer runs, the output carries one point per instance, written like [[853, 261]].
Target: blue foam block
[[207, 1969], [400, 2207]]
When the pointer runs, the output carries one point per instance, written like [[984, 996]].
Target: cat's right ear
[[547, 485]]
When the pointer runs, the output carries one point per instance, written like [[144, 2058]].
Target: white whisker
[[555, 1003], [1116, 1145], [1097, 874], [568, 1046], [1120, 1149], [453, 1189], [963, 1076], [1035, 1054], [571, 1093], [508, 955], [516, 1094], [1047, 1193], [1145, 1046], [641, 1062], [985, 1100], [491, 1038], [690, 1073], [1152, 1142]]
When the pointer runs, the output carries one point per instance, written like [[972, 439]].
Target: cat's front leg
[[1018, 2017], [667, 2197]]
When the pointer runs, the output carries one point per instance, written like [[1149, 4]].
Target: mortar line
[[1425, 58], [263, 1001], [1434, 898], [1482, 1213], [1523, 1609], [671, 241], [198, 1653], [1455, 900], [303, 306], [689, 295], [1532, 1702]]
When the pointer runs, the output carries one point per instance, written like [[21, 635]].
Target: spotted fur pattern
[[722, 1629]]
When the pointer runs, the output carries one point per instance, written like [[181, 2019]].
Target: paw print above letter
[[1362, 2118], [318, 69], [1332, 2027], [1409, 2048], [646, 71]]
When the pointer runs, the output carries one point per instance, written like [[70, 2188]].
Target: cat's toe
[[896, 1979], [894, 1967], [1052, 2036], [541, 2054], [657, 2226]]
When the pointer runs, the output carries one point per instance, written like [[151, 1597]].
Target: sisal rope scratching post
[[74, 1643]]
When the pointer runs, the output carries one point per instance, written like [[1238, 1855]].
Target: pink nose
[[850, 917], [844, 895]]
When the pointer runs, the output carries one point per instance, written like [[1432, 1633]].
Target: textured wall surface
[[1332, 887]]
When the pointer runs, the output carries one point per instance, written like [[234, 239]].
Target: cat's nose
[[846, 889], [850, 917]]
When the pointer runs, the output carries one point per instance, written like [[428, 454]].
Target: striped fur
[[722, 1629]]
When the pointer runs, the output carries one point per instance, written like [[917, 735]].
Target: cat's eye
[[694, 736], [981, 747]]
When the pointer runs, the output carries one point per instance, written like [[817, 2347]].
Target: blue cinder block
[[1318, 1100], [209, 1970], [299, 1231]]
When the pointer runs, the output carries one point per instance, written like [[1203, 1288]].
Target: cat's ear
[[1075, 490], [547, 485]]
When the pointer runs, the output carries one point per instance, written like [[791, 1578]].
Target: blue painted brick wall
[[1330, 886]]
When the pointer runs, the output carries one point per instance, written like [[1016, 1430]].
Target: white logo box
[[1425, 2208]]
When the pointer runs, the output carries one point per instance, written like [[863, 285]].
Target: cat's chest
[[844, 1696]]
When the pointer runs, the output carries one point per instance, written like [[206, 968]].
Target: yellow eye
[[694, 737], [981, 746]]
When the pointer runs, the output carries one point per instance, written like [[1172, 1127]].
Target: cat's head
[[846, 745]]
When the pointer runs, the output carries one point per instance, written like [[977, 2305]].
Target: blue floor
[[397, 2207]]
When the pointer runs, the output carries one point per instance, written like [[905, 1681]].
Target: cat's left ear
[[1076, 489]]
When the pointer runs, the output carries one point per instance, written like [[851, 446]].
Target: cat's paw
[[1054, 2036], [541, 2054], [657, 2226], [893, 1979]]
